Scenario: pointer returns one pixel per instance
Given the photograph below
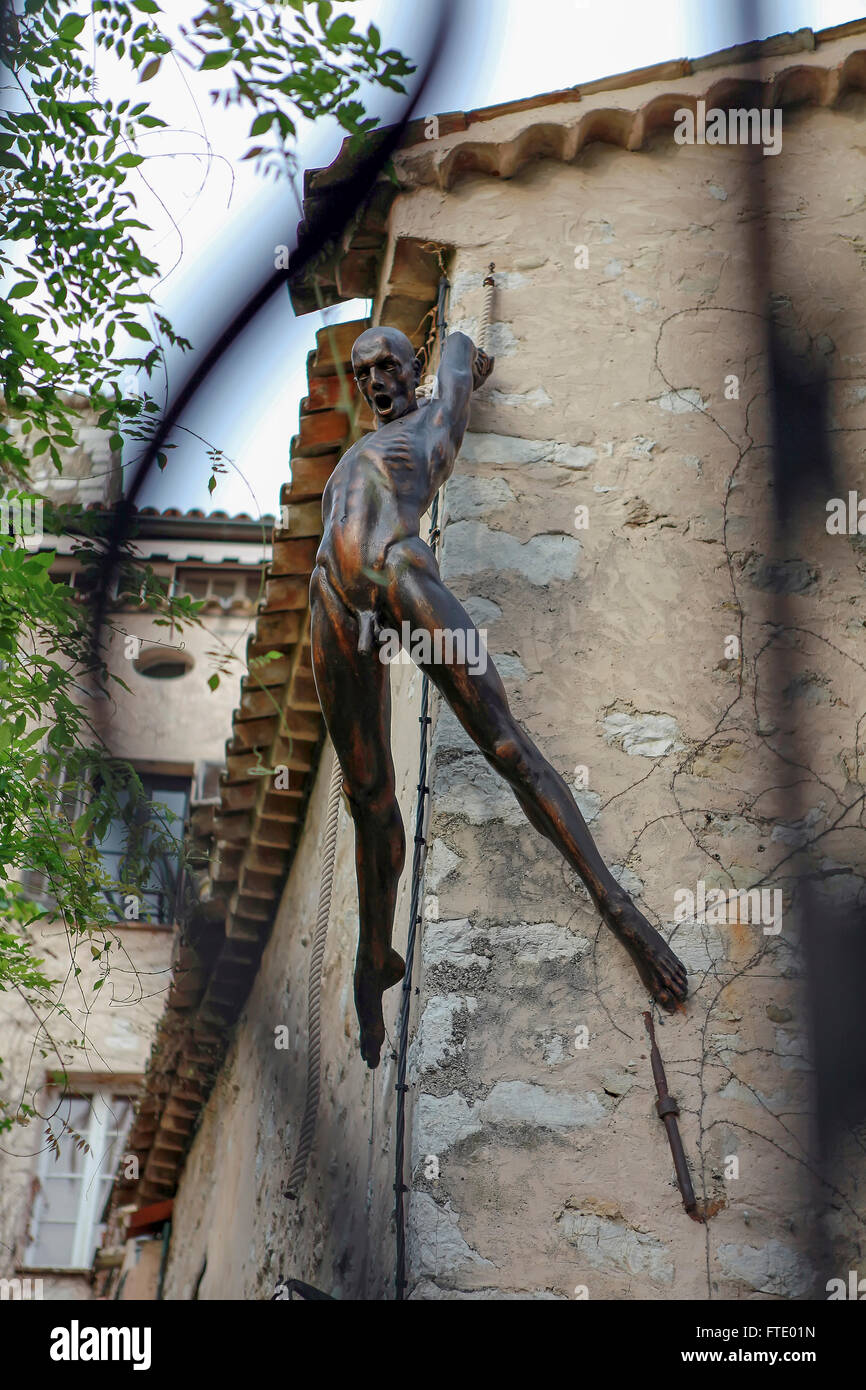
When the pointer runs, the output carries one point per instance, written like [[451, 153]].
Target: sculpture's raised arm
[[462, 370]]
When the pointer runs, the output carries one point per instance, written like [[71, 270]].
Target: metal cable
[[314, 1048], [405, 1002], [419, 856]]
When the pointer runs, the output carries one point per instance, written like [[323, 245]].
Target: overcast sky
[[216, 222]]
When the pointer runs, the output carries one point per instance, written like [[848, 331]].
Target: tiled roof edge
[[463, 148]]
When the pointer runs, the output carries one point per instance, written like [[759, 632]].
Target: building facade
[[79, 1067], [610, 524]]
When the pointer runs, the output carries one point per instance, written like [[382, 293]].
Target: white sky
[[217, 222]]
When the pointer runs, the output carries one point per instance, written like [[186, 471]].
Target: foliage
[[78, 323]]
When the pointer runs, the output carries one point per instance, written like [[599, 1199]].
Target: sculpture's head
[[387, 372]]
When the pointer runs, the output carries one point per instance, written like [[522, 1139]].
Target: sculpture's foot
[[661, 971], [371, 981]]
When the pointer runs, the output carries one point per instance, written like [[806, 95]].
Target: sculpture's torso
[[374, 499]]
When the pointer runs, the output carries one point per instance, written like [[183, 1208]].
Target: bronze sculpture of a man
[[373, 571]]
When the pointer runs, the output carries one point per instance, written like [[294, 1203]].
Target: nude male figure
[[374, 571]]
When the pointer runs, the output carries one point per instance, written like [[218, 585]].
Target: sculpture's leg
[[417, 595], [355, 695]]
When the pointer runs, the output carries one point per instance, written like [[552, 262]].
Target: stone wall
[[230, 1206], [540, 1167]]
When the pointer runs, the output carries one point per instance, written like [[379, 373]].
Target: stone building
[[169, 725], [609, 523]]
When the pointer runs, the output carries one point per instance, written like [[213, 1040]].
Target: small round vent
[[162, 663]]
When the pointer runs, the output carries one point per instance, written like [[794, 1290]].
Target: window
[[207, 782], [66, 1226], [228, 589], [125, 840], [81, 578], [70, 796], [129, 835], [225, 587]]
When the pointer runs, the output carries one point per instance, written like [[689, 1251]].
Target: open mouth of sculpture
[[383, 402]]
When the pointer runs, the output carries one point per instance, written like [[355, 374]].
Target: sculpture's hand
[[482, 366]]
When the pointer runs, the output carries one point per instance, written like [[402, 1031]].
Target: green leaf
[[216, 60], [31, 738], [341, 29], [71, 203], [44, 560], [71, 27]]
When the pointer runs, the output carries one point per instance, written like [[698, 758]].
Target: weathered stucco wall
[[540, 1167], [230, 1206], [175, 721]]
